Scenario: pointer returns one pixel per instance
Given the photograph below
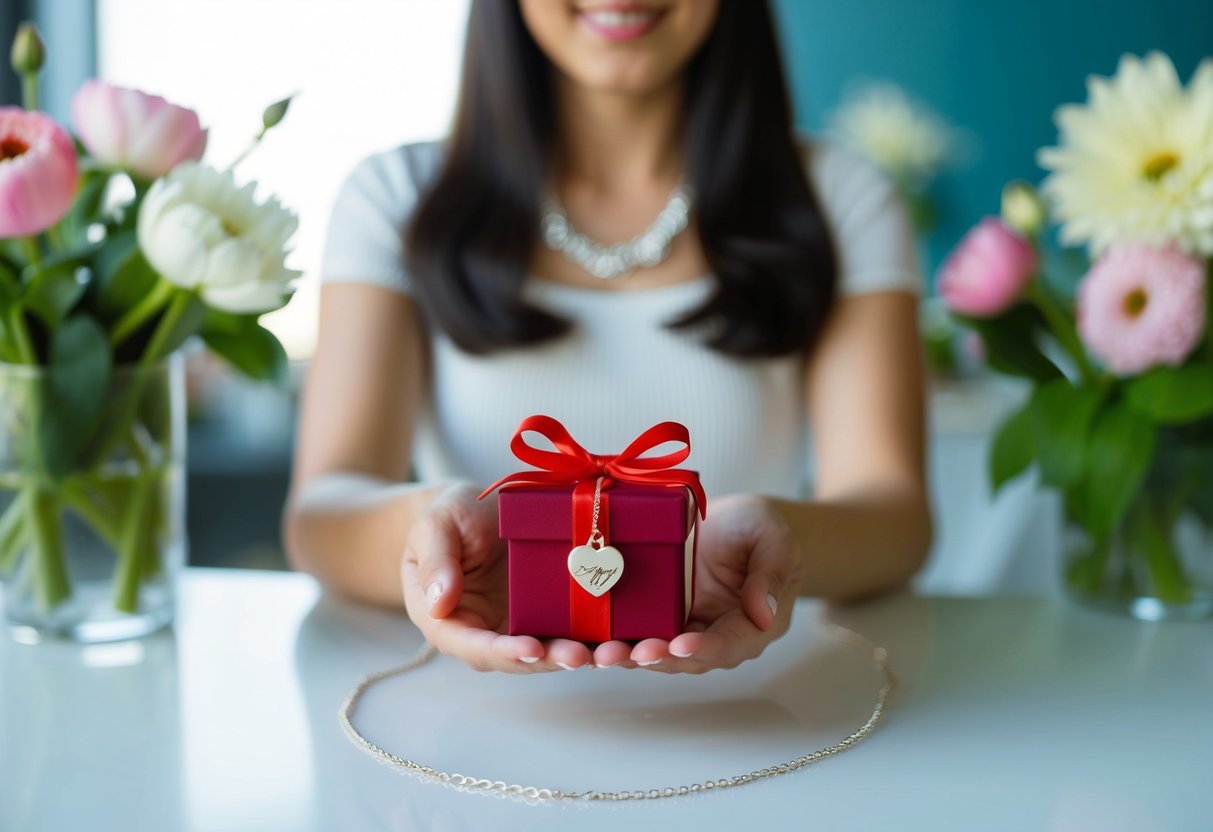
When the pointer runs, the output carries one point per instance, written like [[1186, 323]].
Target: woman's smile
[[621, 21]]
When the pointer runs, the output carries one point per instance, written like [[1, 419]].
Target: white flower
[[905, 138], [1135, 164], [201, 232]]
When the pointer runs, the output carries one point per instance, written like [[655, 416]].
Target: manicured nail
[[528, 659], [433, 592], [565, 666], [772, 603], [686, 655], [649, 663]]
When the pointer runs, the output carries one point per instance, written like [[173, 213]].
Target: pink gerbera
[[1141, 306]]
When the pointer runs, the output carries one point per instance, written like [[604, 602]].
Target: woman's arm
[[350, 510], [866, 529], [868, 526]]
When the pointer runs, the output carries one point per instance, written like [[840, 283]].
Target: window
[[370, 74]]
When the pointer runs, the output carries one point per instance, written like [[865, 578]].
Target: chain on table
[[878, 654]]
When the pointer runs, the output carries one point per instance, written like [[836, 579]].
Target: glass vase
[[1157, 564], [92, 534]]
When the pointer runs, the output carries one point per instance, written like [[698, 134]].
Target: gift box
[[600, 547], [652, 527]]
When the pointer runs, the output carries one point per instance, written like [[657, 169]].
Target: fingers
[[434, 550], [773, 574]]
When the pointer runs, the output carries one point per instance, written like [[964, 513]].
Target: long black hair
[[473, 232]]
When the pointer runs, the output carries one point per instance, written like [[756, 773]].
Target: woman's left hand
[[747, 577]]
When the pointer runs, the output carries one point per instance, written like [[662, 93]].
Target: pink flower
[[135, 130], [987, 271], [1141, 306], [38, 172]]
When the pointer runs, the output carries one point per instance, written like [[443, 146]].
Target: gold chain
[[464, 782]]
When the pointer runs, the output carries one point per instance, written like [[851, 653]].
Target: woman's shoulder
[[379, 192], [393, 176], [866, 214], [839, 173]]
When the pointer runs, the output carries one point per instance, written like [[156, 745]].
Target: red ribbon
[[571, 464]]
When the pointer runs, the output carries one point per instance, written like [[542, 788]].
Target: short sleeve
[[868, 217], [362, 241]]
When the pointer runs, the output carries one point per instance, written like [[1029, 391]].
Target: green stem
[[176, 308], [1162, 560], [80, 502], [1063, 330], [125, 410], [244, 153], [13, 532], [138, 315], [50, 569], [21, 337], [55, 237], [29, 90], [30, 244], [132, 547]]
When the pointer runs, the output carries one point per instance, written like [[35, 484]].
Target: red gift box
[[647, 512]]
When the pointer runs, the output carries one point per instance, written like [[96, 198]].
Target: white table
[[1012, 714]]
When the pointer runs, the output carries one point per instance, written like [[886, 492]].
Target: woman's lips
[[621, 23]]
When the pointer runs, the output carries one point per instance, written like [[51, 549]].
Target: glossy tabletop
[[1011, 714]]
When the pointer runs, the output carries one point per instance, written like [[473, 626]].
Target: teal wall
[[996, 68]]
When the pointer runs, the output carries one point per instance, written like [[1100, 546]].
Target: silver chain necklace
[[612, 261], [464, 782]]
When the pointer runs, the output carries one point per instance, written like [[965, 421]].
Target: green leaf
[[1014, 447], [1061, 420], [246, 345], [10, 284], [75, 386], [1119, 453], [124, 277], [53, 292], [85, 205], [185, 326], [14, 252], [1173, 396], [1010, 342]]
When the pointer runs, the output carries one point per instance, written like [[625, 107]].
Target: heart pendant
[[597, 570]]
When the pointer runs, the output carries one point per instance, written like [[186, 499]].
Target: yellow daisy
[[1135, 163]]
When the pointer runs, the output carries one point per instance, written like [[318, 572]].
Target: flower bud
[[276, 112], [1022, 208], [29, 53]]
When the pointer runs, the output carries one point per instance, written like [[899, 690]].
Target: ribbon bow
[[570, 463]]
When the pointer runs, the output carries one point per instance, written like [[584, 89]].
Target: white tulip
[[200, 231]]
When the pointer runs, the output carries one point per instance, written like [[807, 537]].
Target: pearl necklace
[[612, 261]]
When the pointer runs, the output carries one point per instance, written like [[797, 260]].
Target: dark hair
[[474, 229]]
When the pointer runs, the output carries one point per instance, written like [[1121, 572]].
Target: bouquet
[[92, 296], [1120, 417]]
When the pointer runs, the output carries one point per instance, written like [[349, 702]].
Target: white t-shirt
[[619, 370]]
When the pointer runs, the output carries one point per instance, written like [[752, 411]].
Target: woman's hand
[[455, 589], [747, 578]]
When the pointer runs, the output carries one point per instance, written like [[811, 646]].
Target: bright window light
[[370, 74]]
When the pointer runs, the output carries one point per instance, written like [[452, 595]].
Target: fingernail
[[565, 666], [433, 592], [772, 603], [649, 663], [686, 655], [528, 659]]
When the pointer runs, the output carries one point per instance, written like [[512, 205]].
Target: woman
[[788, 299]]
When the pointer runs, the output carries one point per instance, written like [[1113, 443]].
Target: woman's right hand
[[455, 589]]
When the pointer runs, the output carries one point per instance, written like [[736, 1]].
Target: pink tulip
[[38, 173], [1140, 306], [134, 130], [988, 270]]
